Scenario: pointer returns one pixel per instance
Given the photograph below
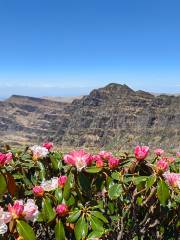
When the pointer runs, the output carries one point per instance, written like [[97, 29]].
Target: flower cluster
[[28, 211], [79, 204], [172, 179], [80, 159], [163, 164], [49, 185], [104, 156]]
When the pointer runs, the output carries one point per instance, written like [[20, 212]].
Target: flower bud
[[113, 162], [62, 210], [38, 191], [61, 181], [99, 163], [48, 146]]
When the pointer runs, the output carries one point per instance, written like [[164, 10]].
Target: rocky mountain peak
[[119, 88]]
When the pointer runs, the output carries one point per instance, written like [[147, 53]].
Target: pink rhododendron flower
[[61, 181], [5, 158], [172, 179], [161, 165], [113, 162], [62, 210], [50, 185], [38, 191], [80, 159], [48, 146], [17, 209], [99, 163], [178, 154], [105, 155], [141, 152], [39, 152], [159, 152], [30, 212]]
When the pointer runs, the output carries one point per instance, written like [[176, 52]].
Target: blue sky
[[69, 47]]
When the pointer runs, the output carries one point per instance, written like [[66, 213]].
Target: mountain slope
[[114, 115], [118, 115]]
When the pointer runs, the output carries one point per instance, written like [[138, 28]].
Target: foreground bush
[[45, 195]]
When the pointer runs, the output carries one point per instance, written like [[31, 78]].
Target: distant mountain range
[[114, 116]]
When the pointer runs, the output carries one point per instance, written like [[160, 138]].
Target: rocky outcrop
[[114, 115]]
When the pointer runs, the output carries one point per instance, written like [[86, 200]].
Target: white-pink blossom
[[79, 158], [5, 217], [50, 185], [30, 210], [39, 152], [172, 179]]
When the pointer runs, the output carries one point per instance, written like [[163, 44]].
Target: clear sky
[[68, 47]]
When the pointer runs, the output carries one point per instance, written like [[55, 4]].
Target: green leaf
[[177, 199], [3, 184], [59, 231], [93, 169], [27, 181], [150, 181], [55, 163], [47, 210], [128, 178], [162, 192], [25, 230], [95, 234], [71, 201], [84, 182], [116, 176], [40, 217], [81, 229], [42, 172], [99, 215], [111, 207], [58, 195], [115, 191], [96, 223], [18, 176], [67, 187], [140, 179], [139, 201], [74, 216]]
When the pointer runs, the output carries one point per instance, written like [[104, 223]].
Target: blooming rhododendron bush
[[45, 194]]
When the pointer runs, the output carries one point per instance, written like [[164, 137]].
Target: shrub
[[45, 195]]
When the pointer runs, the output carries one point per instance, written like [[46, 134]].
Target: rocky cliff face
[[25, 120], [114, 115]]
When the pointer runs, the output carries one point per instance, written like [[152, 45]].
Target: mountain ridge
[[114, 115]]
